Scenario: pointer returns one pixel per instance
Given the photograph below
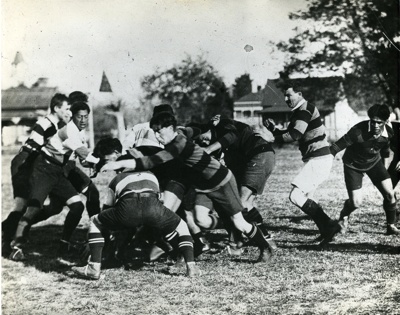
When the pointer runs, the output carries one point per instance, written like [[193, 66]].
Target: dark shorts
[[252, 173], [353, 178], [133, 210], [79, 179], [226, 199], [21, 169], [394, 175], [48, 178]]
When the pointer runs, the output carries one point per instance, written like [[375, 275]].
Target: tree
[[242, 86], [350, 37], [193, 88]]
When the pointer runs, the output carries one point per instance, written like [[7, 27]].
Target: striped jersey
[[363, 149], [64, 143], [212, 174], [141, 135], [306, 127], [137, 182], [42, 131]]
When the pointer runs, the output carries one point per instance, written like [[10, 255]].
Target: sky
[[72, 42]]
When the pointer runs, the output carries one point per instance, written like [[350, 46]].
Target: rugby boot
[[344, 224], [200, 246], [179, 267], [344, 216], [91, 271], [326, 226], [17, 254], [265, 255], [392, 230], [391, 218], [192, 270]]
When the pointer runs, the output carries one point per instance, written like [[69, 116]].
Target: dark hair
[[162, 108], [77, 106], [77, 96], [105, 147], [162, 120], [380, 111], [290, 84], [57, 101]]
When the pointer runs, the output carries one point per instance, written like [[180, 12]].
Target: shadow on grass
[[42, 248], [360, 248]]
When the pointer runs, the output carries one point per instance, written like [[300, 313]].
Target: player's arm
[[230, 136], [109, 200], [296, 129], [352, 136]]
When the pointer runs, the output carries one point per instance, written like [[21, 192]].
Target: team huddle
[[175, 182]]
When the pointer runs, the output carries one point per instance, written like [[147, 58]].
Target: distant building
[[326, 93], [21, 107]]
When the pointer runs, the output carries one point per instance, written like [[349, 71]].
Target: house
[[326, 93], [21, 107]]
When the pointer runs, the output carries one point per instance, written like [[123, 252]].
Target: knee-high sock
[[72, 220], [9, 225], [96, 240], [257, 236], [347, 209], [92, 200], [182, 242], [24, 226], [390, 211]]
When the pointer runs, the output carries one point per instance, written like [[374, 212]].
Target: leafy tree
[[242, 86], [193, 88], [350, 37]]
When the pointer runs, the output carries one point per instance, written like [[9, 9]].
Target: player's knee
[[93, 200], [95, 225], [297, 197], [76, 208], [201, 218], [182, 228], [34, 203]]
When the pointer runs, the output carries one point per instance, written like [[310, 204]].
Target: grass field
[[359, 273]]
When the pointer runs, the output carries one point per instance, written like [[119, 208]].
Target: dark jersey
[[238, 139], [363, 149], [211, 173]]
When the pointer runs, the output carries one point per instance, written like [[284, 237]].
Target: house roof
[[25, 102], [252, 97], [322, 92]]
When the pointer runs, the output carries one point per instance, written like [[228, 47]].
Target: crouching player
[[132, 200]]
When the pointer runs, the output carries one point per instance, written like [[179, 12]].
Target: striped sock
[[96, 244]]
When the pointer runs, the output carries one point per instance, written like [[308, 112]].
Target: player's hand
[[269, 124], [110, 166], [265, 134], [215, 120]]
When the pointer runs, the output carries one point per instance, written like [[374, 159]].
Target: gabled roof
[[25, 102], [322, 92], [252, 97]]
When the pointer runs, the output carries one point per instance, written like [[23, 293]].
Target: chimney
[[41, 82], [258, 88]]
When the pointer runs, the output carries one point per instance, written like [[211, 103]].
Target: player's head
[[80, 114], [292, 94], [59, 106], [108, 149], [77, 96], [162, 108], [378, 115], [164, 126]]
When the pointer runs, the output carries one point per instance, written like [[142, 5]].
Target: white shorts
[[313, 174]]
